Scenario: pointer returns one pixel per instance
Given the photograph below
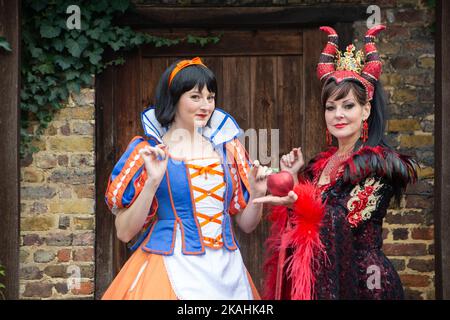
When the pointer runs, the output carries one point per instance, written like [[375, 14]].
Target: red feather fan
[[304, 239], [278, 218]]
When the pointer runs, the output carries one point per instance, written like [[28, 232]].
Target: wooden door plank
[[313, 133], [9, 144], [127, 109], [244, 17], [236, 89], [263, 97], [442, 149], [290, 115], [105, 157], [152, 69]]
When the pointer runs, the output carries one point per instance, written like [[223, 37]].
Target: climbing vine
[[58, 58]]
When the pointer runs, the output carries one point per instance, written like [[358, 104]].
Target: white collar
[[223, 127]]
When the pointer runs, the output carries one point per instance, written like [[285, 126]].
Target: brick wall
[[57, 206], [407, 49], [57, 223]]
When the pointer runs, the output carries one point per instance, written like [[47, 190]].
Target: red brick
[[61, 287], [30, 273], [397, 31], [405, 249], [399, 264], [422, 265], [413, 294], [400, 234], [431, 249], [422, 187], [403, 62], [410, 217], [86, 254], [411, 16], [63, 160], [422, 233], [38, 289], [385, 233], [65, 130], [421, 202], [64, 255], [56, 271], [85, 289], [32, 239], [415, 280]]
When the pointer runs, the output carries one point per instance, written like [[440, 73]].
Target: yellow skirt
[[144, 277]]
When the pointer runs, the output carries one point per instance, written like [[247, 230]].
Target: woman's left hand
[[258, 179], [287, 201]]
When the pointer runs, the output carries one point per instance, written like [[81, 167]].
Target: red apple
[[279, 184]]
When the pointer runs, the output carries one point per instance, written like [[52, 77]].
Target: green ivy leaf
[[94, 33], [38, 5], [36, 52], [58, 45], [46, 68], [63, 93], [190, 39], [77, 46], [41, 100], [50, 81], [120, 5], [33, 108], [53, 94], [73, 86], [72, 74], [95, 56], [4, 44], [100, 6], [24, 95], [63, 62], [48, 31], [86, 78], [117, 45]]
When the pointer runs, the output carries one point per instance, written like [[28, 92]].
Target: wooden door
[[266, 80]]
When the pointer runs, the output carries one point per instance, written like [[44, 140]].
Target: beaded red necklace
[[334, 164]]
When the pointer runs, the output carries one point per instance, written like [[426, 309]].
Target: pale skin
[[344, 119], [182, 141]]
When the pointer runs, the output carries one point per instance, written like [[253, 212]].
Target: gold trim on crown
[[350, 60]]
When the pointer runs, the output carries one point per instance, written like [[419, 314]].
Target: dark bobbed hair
[[167, 97], [377, 118]]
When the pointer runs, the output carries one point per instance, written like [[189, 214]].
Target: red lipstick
[[340, 125]]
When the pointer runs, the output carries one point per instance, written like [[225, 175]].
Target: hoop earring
[[365, 131], [329, 137]]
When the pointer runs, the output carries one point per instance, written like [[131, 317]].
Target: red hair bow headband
[[332, 64], [183, 64]]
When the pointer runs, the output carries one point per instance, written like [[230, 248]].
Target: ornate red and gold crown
[[335, 65]]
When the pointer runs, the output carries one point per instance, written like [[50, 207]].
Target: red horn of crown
[[372, 65], [325, 67]]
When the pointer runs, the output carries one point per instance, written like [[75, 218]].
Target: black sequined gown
[[355, 266]]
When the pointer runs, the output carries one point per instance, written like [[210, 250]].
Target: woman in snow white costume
[[180, 185], [326, 235]]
